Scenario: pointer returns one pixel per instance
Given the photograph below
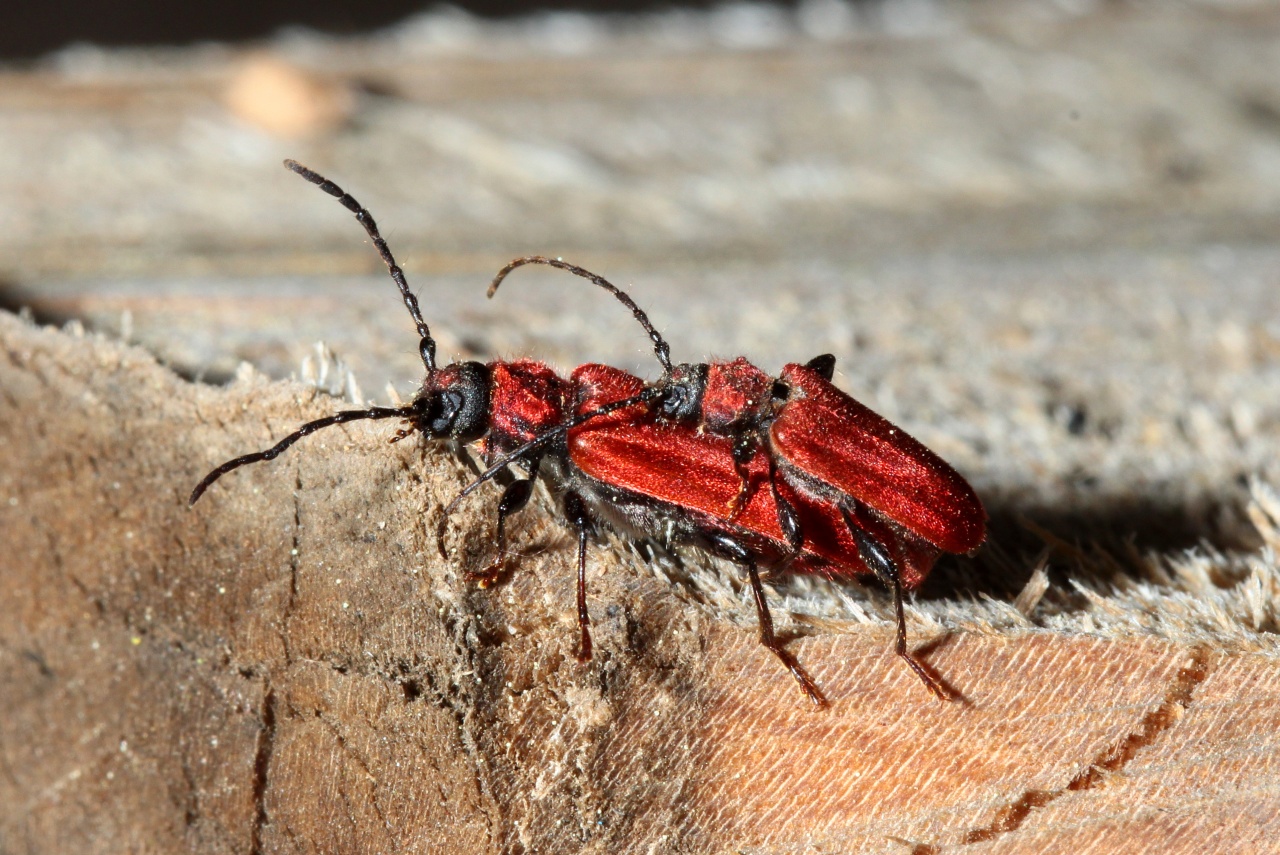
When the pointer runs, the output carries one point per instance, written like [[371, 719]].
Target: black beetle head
[[682, 398], [454, 403]]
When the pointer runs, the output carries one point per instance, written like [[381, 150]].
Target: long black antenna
[[310, 427], [660, 347], [426, 344]]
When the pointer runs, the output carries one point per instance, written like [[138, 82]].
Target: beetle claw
[[489, 575]]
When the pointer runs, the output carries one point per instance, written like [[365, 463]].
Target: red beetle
[[522, 413], [519, 411], [623, 449], [846, 485]]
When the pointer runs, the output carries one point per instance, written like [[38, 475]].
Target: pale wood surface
[[1040, 238]]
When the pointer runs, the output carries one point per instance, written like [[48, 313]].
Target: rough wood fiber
[[290, 667]]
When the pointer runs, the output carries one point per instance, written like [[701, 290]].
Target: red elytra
[[633, 450], [834, 444], [849, 492]]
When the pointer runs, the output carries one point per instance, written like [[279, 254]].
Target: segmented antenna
[[310, 427], [426, 344], [660, 347]]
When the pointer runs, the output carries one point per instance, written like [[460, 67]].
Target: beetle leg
[[877, 558], [744, 448], [736, 551], [575, 509], [769, 640], [788, 519], [514, 497]]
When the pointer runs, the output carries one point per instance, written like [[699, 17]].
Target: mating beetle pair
[[785, 472]]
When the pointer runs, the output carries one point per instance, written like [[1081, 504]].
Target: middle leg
[[576, 510], [732, 549], [877, 558]]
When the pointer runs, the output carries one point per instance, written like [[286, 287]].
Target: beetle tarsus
[[885, 568], [931, 682]]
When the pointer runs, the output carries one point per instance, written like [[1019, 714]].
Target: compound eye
[[674, 401], [444, 409], [683, 393]]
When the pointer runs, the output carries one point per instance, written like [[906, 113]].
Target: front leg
[[745, 446], [576, 510], [788, 519], [514, 497]]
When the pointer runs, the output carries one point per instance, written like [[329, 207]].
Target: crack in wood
[[1153, 726], [261, 766], [295, 555]]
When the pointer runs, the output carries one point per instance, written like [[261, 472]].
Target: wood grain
[[289, 666]]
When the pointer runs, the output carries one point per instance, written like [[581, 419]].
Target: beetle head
[[684, 392], [453, 403]]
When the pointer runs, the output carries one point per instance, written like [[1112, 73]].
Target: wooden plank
[[291, 665]]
